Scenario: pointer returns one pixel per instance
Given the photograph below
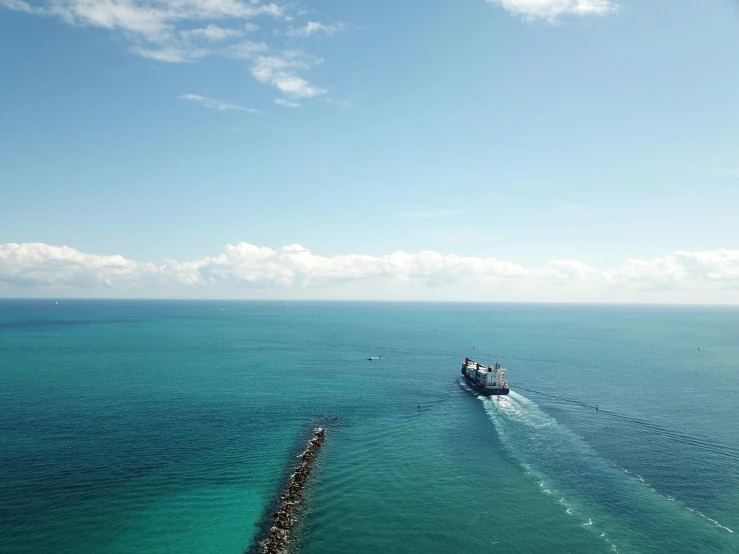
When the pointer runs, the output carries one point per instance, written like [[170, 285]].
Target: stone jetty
[[284, 518]]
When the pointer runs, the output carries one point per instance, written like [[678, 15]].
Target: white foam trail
[[520, 409], [671, 499], [517, 410], [704, 516]]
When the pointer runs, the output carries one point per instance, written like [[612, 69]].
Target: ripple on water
[[551, 453]]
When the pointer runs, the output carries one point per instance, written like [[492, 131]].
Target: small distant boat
[[490, 381], [375, 358]]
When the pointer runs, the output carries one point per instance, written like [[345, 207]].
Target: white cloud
[[244, 265], [212, 33], [294, 266], [162, 30], [659, 272], [150, 21], [173, 54], [286, 103], [569, 270], [313, 27], [154, 20], [247, 50], [216, 104], [20, 6], [551, 10], [248, 267], [36, 264], [280, 71], [715, 265], [679, 269]]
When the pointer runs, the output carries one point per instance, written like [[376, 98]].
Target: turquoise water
[[170, 426]]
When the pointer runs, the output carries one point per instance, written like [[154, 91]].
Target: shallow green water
[[170, 426]]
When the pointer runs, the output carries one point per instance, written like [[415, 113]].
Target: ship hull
[[485, 391]]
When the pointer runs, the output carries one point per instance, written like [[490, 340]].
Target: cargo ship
[[489, 381]]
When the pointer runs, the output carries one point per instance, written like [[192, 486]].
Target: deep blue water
[[145, 426]]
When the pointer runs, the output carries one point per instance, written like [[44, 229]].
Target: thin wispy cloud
[[155, 23], [21, 6], [212, 33], [214, 104], [187, 31], [315, 27], [280, 70], [552, 10], [246, 50], [286, 103], [171, 54]]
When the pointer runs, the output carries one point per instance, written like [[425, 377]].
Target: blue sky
[[592, 144]]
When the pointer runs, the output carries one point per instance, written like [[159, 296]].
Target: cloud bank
[[243, 265], [293, 268]]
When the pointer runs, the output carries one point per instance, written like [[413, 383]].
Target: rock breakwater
[[284, 518]]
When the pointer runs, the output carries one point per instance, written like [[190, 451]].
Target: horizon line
[[349, 300]]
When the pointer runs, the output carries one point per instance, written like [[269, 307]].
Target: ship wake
[[600, 497]]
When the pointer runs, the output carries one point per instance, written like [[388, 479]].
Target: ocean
[[171, 426]]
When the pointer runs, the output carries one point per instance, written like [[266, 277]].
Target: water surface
[[169, 426]]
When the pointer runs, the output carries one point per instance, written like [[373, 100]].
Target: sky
[[452, 150]]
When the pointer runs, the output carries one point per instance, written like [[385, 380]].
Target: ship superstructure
[[487, 380]]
